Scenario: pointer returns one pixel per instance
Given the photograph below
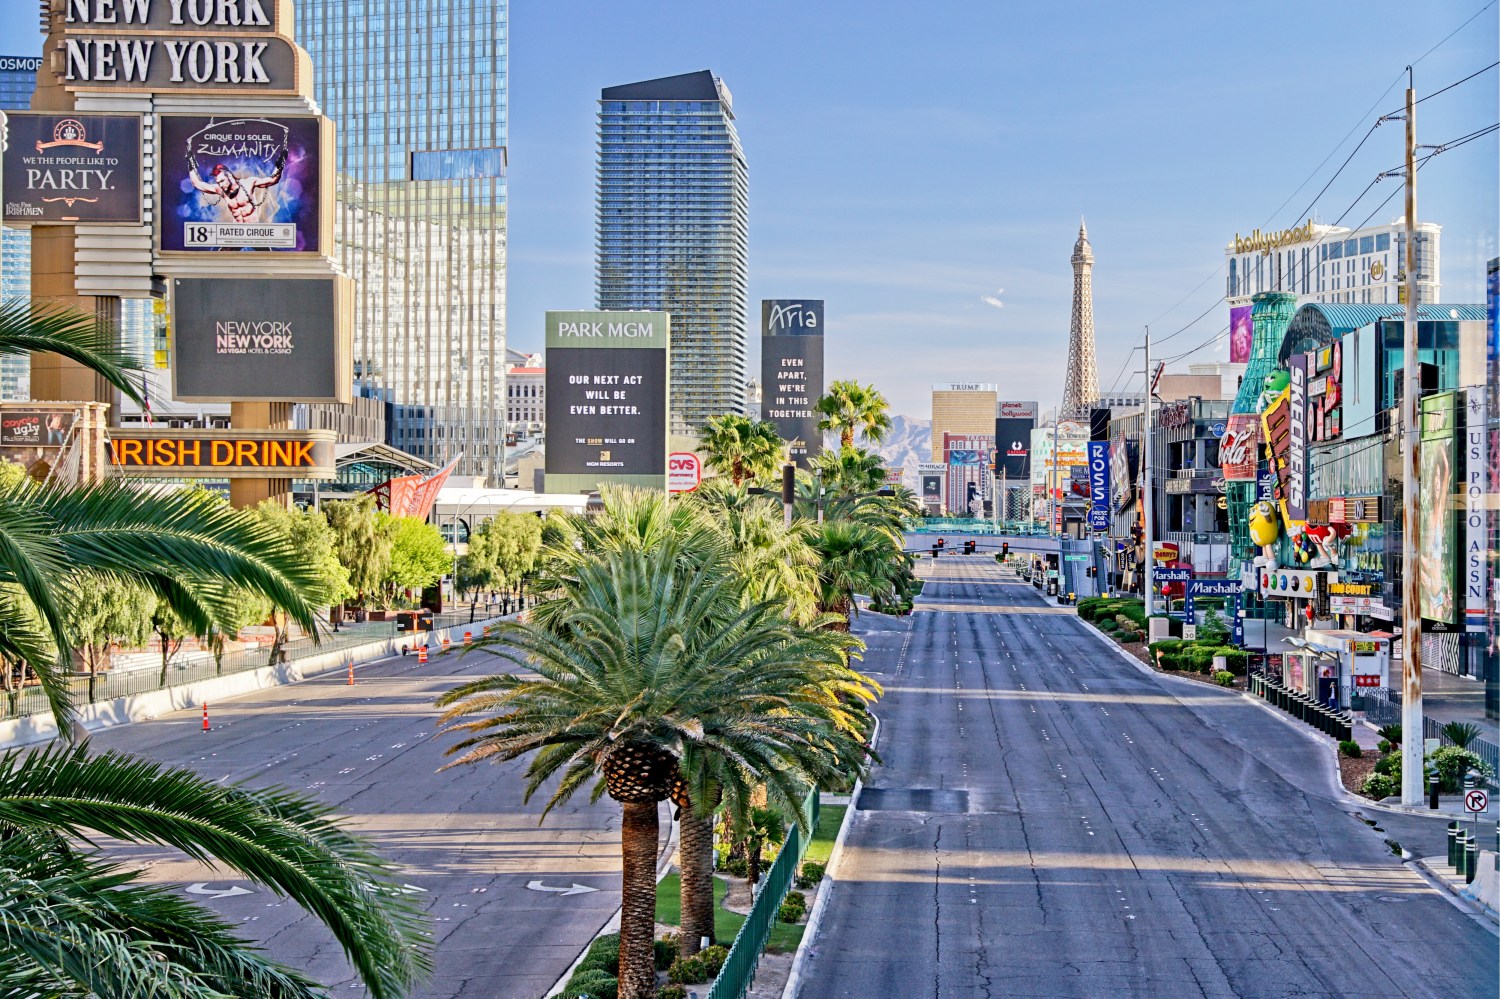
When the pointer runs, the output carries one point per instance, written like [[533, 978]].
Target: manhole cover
[[913, 799]]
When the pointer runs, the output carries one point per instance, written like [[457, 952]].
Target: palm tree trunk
[[638, 833], [696, 850], [846, 438]]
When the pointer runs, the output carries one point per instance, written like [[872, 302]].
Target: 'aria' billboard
[[70, 168], [606, 399], [791, 372], [281, 339]]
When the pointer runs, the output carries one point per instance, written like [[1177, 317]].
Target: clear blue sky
[[909, 160]]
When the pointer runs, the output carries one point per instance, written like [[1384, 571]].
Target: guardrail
[[738, 972], [1383, 707], [104, 686]]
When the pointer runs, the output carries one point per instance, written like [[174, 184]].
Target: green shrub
[[671, 991], [1392, 732], [1384, 746], [1237, 660], [1460, 733], [595, 985], [1202, 657], [1224, 678], [791, 912], [1350, 748], [665, 951], [714, 958], [603, 955], [811, 873], [1452, 762], [735, 866], [689, 970], [1379, 786], [1107, 626], [1389, 765]]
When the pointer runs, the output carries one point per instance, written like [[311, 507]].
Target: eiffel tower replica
[[1081, 389]]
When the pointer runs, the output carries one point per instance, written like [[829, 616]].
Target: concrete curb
[[1430, 870], [663, 868], [31, 729], [825, 888]]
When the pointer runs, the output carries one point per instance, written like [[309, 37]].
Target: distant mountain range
[[908, 443]]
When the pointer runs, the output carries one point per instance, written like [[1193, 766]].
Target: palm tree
[[773, 560], [850, 471], [851, 408], [79, 926], [854, 558], [655, 662], [742, 448]]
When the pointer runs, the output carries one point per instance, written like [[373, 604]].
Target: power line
[[1478, 72]]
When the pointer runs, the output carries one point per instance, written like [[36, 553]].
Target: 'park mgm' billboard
[[791, 372], [606, 403]]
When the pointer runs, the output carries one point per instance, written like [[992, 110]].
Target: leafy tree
[[503, 551], [652, 658], [11, 474], [103, 611], [419, 556], [742, 448], [310, 533], [170, 630], [850, 408], [362, 539]]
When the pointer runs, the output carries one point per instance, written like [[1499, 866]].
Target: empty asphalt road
[[466, 845], [1050, 821]]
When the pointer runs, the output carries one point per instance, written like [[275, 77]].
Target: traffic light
[[1004, 550]]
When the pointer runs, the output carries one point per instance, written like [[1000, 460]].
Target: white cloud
[[994, 299]]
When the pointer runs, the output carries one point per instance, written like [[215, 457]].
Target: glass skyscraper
[[418, 92], [17, 81], [673, 231]]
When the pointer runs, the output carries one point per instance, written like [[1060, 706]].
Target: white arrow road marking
[[577, 889], [203, 888]]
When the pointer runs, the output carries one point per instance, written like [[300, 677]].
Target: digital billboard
[[1013, 446], [37, 428], [791, 372], [241, 454], [1239, 448], [70, 168], [230, 184], [237, 339], [606, 399], [1241, 334]]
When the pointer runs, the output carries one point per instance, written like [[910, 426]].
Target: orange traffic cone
[[421, 655], [205, 716]]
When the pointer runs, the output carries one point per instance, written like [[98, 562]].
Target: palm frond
[[29, 327]]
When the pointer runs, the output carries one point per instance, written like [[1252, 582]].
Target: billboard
[[36, 428], [791, 372], [1011, 410], [606, 399], [932, 490], [242, 183], [220, 454], [284, 339], [1241, 334], [1099, 491], [1013, 444], [1476, 570], [70, 168], [1297, 438], [1437, 535], [1239, 449]]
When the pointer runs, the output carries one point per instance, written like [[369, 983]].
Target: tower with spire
[[1081, 389]]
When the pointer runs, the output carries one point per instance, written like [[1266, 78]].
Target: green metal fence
[[738, 973]]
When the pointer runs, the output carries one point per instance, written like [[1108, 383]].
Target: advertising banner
[[1013, 442], [791, 372], [1241, 334], [1122, 465], [237, 339], [684, 472], [1007, 409], [1476, 569], [1239, 449], [1296, 455], [606, 399], [220, 454], [39, 428], [1099, 492], [242, 183], [964, 457], [1437, 558], [69, 168], [932, 490]]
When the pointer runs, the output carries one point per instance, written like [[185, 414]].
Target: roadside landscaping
[[1123, 619]]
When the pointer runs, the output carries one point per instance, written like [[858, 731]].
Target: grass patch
[[829, 819], [784, 936]]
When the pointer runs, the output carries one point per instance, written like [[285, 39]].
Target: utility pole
[[1150, 541], [1412, 731], [1054, 509]]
